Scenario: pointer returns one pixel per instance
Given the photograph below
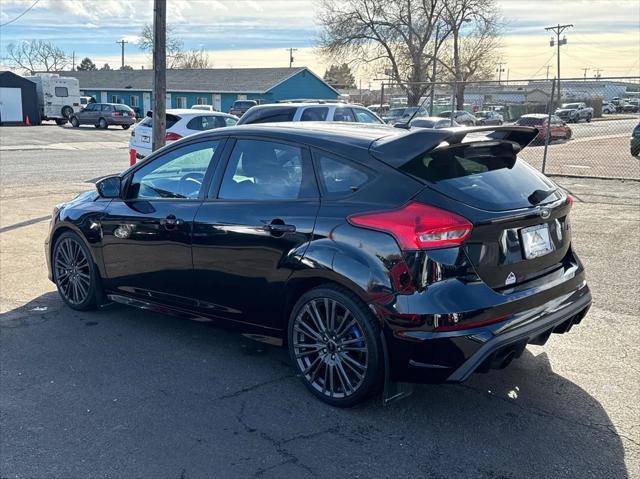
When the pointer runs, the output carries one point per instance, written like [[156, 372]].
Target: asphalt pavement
[[126, 393]]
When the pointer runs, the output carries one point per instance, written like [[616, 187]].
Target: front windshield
[[482, 114], [396, 112]]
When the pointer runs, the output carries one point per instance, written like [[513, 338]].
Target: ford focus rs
[[374, 254]]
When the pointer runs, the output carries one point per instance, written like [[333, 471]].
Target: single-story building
[[219, 87], [18, 100]]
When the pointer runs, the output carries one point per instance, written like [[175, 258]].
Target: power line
[[21, 15]]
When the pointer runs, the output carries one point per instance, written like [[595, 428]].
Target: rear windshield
[[244, 104], [484, 174], [528, 120], [171, 120]]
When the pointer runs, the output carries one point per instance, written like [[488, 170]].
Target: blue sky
[[256, 32]]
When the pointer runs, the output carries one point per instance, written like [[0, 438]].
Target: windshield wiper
[[539, 196]]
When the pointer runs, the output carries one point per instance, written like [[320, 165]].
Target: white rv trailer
[[58, 97]]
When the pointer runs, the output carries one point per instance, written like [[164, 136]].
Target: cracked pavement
[[128, 393]]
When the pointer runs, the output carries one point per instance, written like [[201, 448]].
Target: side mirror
[[109, 187]]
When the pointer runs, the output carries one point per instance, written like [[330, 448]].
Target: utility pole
[[291, 50], [73, 61], [433, 70], [548, 66], [597, 75], [558, 29], [585, 70], [159, 73], [500, 70], [122, 44]]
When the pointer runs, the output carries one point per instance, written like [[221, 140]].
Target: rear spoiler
[[397, 150]]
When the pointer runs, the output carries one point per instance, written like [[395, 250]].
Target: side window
[[315, 114], [230, 121], [176, 174], [266, 170], [364, 116], [90, 107], [107, 108], [195, 123], [343, 114], [339, 177], [61, 91]]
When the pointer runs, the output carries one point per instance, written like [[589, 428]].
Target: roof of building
[[218, 80]]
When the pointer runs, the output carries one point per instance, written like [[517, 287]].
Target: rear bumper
[[427, 356], [122, 120]]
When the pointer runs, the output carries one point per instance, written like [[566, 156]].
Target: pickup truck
[[574, 112]]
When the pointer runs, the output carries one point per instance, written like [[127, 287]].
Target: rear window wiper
[[539, 196]]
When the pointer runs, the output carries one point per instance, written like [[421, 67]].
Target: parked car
[[378, 109], [608, 107], [240, 107], [180, 123], [433, 122], [635, 141], [488, 117], [374, 253], [574, 112], [203, 107], [631, 106], [279, 112], [400, 114], [461, 117], [559, 129], [101, 115]]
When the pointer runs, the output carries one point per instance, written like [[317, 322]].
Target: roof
[[218, 80]]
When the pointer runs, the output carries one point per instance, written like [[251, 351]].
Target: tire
[[588, 118], [60, 122], [67, 112], [75, 273], [125, 127], [74, 122], [102, 124], [339, 360]]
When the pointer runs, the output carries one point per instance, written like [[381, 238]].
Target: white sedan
[[180, 123]]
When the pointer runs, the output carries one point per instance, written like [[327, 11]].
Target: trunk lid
[[520, 224]]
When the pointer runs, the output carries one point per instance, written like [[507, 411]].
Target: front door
[[147, 235], [248, 240]]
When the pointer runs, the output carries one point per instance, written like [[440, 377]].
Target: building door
[[103, 97], [146, 103], [217, 101], [11, 104], [168, 100]]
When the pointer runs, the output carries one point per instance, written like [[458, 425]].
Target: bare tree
[[37, 55], [195, 59], [473, 46], [174, 44], [401, 33]]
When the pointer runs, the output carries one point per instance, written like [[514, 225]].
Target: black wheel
[[74, 122], [334, 342], [74, 273], [589, 119], [102, 123], [125, 127], [67, 111], [61, 122]]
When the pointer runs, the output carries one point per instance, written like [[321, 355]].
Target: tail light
[[171, 136], [569, 200], [115, 113], [417, 226]]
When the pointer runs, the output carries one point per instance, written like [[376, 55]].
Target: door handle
[[171, 222], [278, 228]]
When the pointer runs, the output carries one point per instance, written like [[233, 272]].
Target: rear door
[[251, 234], [521, 229]]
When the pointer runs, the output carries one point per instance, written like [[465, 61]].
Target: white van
[[58, 97]]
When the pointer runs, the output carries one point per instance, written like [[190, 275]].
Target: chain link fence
[[586, 131]]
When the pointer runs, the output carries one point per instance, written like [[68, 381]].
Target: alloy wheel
[[330, 348], [72, 271]]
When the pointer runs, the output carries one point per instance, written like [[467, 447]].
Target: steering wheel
[[190, 184]]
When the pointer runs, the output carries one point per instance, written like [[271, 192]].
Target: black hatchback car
[[375, 254]]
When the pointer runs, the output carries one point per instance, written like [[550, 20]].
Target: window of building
[[135, 101], [181, 102], [201, 101], [61, 91], [116, 99]]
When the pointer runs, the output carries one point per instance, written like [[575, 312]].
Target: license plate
[[536, 241], [145, 139]]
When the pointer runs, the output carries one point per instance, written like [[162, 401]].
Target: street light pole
[[433, 70]]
